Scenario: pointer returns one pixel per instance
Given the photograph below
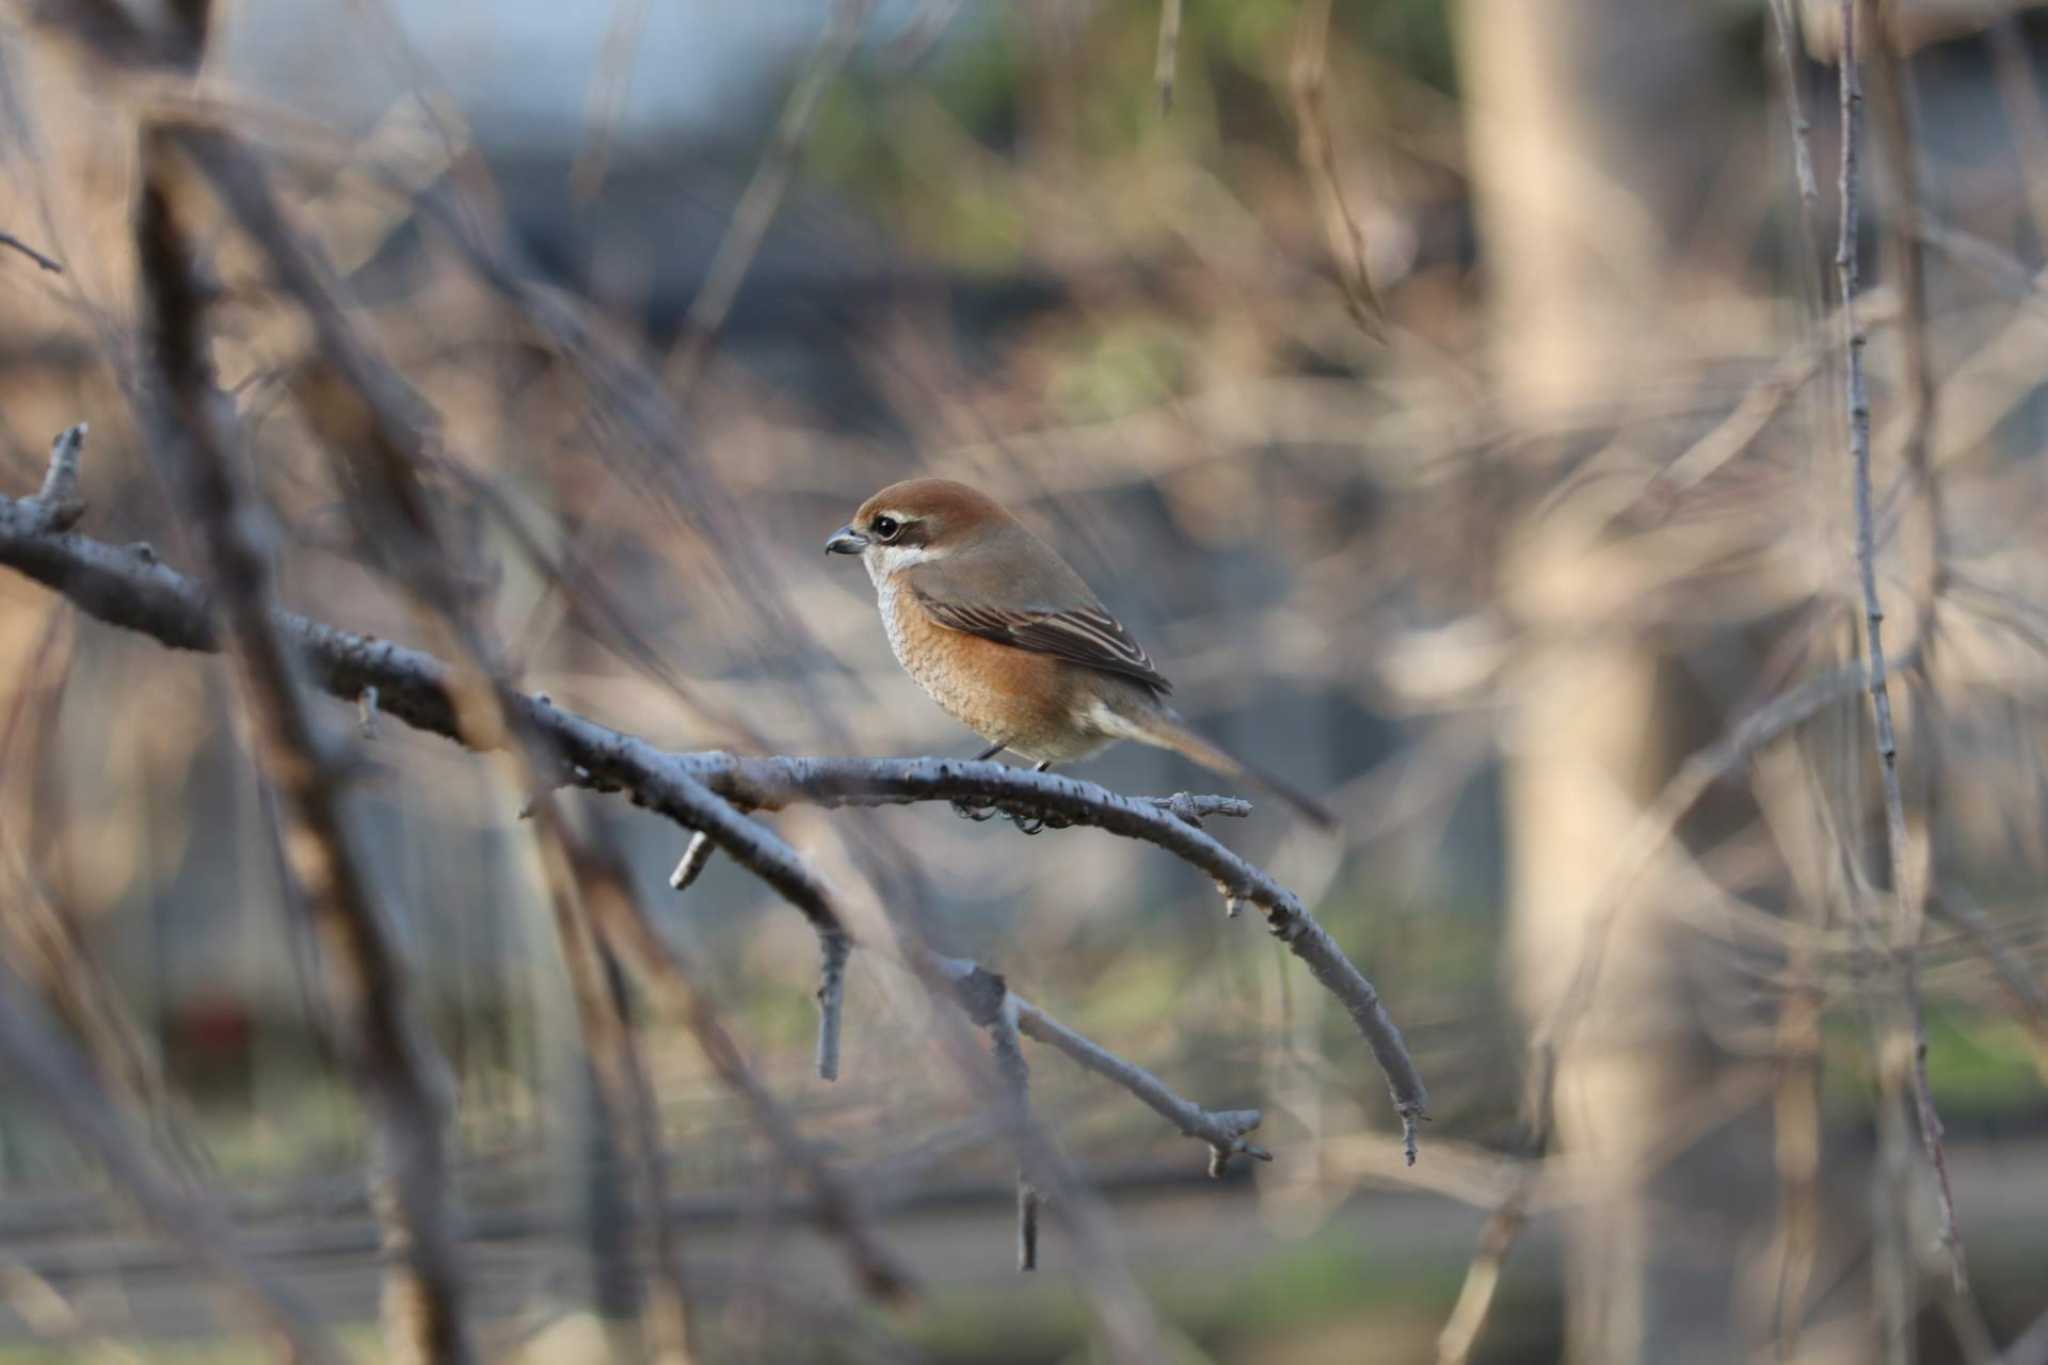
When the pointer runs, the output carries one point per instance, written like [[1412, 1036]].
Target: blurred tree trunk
[[1592, 127]]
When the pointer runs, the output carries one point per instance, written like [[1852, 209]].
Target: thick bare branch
[[387, 1052], [128, 587]]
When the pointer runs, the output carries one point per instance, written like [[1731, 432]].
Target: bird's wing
[[1084, 635], [1014, 589]]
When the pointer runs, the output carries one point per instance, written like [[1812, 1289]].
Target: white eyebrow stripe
[[892, 559]]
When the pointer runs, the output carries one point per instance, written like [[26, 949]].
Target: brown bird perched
[[994, 625]]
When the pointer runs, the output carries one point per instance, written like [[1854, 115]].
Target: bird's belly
[[1007, 695]]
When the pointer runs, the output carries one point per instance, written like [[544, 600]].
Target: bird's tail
[[1167, 731]]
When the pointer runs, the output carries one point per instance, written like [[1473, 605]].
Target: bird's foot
[[1027, 821]]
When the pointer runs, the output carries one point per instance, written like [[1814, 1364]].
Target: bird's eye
[[886, 528]]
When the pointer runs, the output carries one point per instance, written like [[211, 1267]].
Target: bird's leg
[[990, 752], [1043, 767]]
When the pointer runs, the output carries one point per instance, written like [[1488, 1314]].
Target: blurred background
[[1450, 397]]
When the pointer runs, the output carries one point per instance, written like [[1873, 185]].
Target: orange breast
[[1020, 698]]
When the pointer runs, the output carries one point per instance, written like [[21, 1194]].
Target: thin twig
[[1758, 408], [1652, 832], [841, 1209], [51, 943], [609, 86], [2017, 978], [1319, 162], [50, 946], [1497, 1237], [1985, 257], [1225, 1131], [1788, 788], [1131, 1329], [9, 239], [1907, 891], [758, 204], [1902, 124], [771, 783], [1785, 28]]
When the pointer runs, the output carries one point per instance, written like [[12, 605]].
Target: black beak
[[846, 541]]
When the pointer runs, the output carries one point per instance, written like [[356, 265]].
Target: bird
[[1010, 641]]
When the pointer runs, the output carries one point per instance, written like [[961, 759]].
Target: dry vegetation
[[1615, 488]]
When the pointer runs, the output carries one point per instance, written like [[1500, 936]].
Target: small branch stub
[[1194, 809], [691, 865], [58, 506], [1226, 1137]]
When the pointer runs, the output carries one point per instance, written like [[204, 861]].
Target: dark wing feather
[[1085, 635]]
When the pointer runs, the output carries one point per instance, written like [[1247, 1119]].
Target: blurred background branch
[[1452, 396]]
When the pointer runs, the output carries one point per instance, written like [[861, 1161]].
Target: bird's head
[[917, 520]]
